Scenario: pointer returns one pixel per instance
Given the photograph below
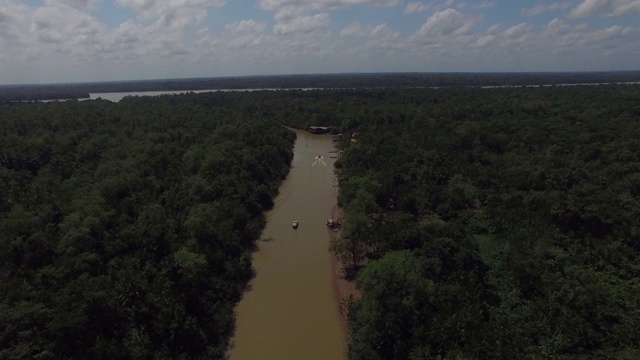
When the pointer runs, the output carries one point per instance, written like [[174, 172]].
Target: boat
[[334, 224], [295, 224]]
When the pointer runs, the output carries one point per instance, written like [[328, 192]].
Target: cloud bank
[[94, 40]]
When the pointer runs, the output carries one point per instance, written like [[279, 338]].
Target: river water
[[290, 310], [117, 96]]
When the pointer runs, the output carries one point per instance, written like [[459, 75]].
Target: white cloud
[[246, 26], [248, 41], [517, 31], [155, 8], [172, 14], [73, 3], [247, 34], [67, 40], [286, 13], [383, 37], [612, 32], [129, 33], [205, 38], [11, 18], [484, 5], [605, 8], [368, 44], [510, 37], [50, 37], [381, 31], [355, 29], [543, 8], [582, 27], [416, 7], [61, 33], [302, 24], [572, 40], [494, 29], [557, 27], [447, 22], [57, 24], [446, 4], [325, 4], [558, 46], [485, 40]]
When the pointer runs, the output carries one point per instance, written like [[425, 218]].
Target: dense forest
[[126, 229], [491, 224], [314, 81], [484, 223]]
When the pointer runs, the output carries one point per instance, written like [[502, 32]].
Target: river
[[117, 96], [290, 310]]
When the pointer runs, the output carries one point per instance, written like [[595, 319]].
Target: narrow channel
[[290, 310]]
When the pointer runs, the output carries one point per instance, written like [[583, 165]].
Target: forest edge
[[344, 285]]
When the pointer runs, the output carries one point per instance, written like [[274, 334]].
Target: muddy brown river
[[290, 310]]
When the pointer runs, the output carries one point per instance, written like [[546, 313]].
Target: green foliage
[[126, 229], [429, 303], [518, 208], [488, 223], [391, 332]]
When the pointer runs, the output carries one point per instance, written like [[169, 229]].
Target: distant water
[[117, 96], [551, 85]]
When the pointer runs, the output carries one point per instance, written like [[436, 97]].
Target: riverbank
[[344, 286]]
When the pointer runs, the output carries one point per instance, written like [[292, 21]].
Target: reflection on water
[[291, 311]]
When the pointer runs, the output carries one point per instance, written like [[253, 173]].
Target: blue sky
[[44, 41]]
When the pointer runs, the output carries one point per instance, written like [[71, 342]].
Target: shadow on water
[[256, 247]]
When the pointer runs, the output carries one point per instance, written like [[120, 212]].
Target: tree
[[354, 241]]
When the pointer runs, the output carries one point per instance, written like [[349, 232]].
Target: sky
[[63, 41]]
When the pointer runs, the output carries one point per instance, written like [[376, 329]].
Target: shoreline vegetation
[[343, 281], [126, 229], [77, 91], [495, 224], [499, 223], [343, 276]]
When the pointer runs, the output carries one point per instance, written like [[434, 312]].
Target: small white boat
[[295, 224]]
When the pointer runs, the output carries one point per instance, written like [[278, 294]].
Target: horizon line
[[321, 75]]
